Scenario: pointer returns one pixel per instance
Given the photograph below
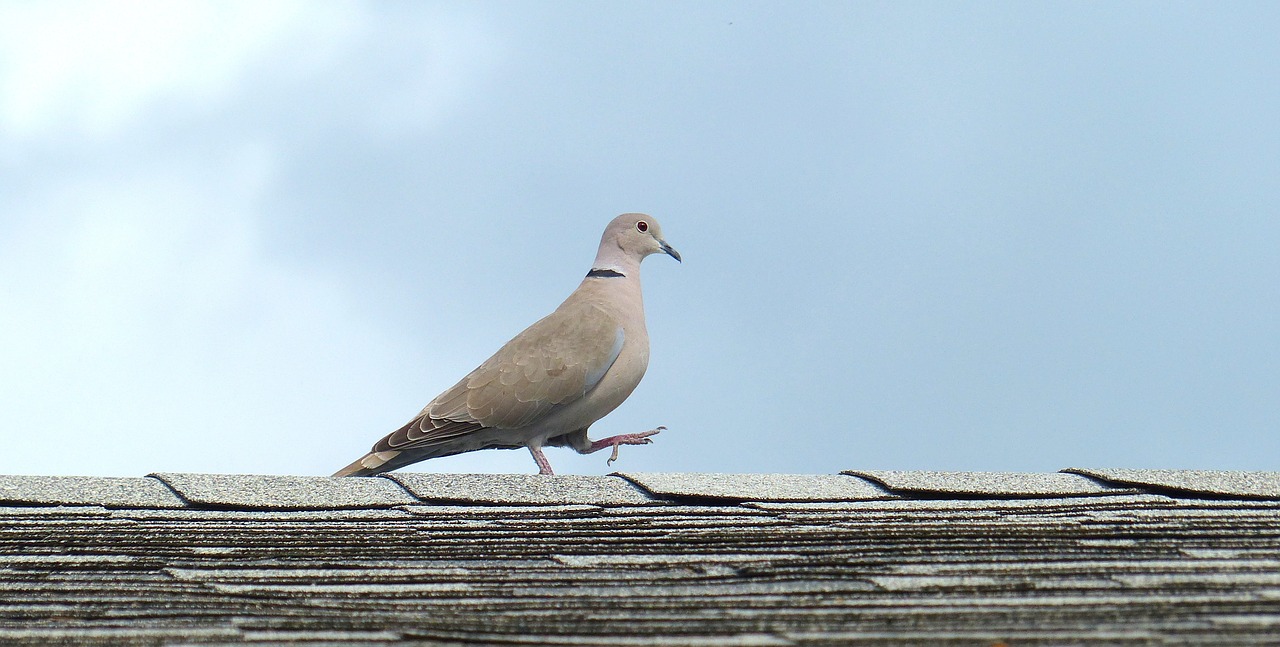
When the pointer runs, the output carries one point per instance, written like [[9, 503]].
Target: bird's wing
[[551, 364]]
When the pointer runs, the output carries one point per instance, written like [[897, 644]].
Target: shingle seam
[[925, 493], [1168, 490], [684, 499], [947, 495], [874, 482], [933, 495], [528, 492], [473, 503], [729, 500], [520, 637], [187, 502], [246, 507], [250, 492], [9, 503], [402, 487]]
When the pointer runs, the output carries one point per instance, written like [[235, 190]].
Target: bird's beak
[[669, 250]]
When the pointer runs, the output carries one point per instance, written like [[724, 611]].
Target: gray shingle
[[1262, 485], [620, 640], [544, 512], [980, 638], [987, 484], [1030, 505], [67, 511], [757, 487], [521, 489], [279, 514], [111, 492], [285, 492], [1137, 569], [109, 636]]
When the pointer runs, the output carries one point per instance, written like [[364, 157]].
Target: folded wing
[[548, 366]]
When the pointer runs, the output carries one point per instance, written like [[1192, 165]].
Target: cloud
[[93, 68], [150, 323], [156, 331]]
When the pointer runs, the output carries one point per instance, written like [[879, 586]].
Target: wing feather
[[551, 364]]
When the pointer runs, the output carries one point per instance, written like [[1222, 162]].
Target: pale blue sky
[[986, 236]]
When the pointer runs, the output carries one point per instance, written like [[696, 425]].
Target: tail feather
[[369, 464]]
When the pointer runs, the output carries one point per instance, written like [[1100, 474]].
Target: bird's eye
[[642, 226]]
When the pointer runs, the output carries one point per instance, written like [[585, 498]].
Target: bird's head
[[636, 235]]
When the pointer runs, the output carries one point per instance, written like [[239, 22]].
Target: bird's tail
[[369, 464]]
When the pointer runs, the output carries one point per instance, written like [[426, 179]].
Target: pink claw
[[615, 442]]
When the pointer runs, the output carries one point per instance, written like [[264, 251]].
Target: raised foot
[[615, 442]]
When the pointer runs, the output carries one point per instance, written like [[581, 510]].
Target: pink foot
[[544, 465], [615, 442]]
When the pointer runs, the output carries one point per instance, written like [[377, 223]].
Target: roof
[[1118, 557]]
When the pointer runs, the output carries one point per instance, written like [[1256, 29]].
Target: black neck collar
[[605, 274]]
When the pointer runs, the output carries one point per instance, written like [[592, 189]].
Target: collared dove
[[546, 386]]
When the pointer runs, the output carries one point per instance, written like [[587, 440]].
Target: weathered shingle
[[1263, 485], [521, 489], [688, 560], [756, 487], [111, 492], [285, 492], [988, 484]]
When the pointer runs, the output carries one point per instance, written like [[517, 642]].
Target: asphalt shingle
[[987, 484], [713, 560], [111, 492], [756, 487], [285, 492], [521, 489], [1261, 485]]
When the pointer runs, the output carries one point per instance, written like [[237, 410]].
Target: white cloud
[[149, 324], [155, 331], [92, 67]]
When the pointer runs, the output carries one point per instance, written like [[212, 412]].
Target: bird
[[551, 382]]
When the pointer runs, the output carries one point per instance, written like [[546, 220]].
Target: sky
[[244, 237]]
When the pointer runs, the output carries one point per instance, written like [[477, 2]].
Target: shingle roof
[[1118, 557]]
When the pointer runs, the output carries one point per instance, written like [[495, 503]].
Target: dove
[[550, 383]]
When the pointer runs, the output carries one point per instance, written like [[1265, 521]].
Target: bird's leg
[[544, 465], [615, 442]]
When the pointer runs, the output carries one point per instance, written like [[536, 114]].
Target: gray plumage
[[549, 384]]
